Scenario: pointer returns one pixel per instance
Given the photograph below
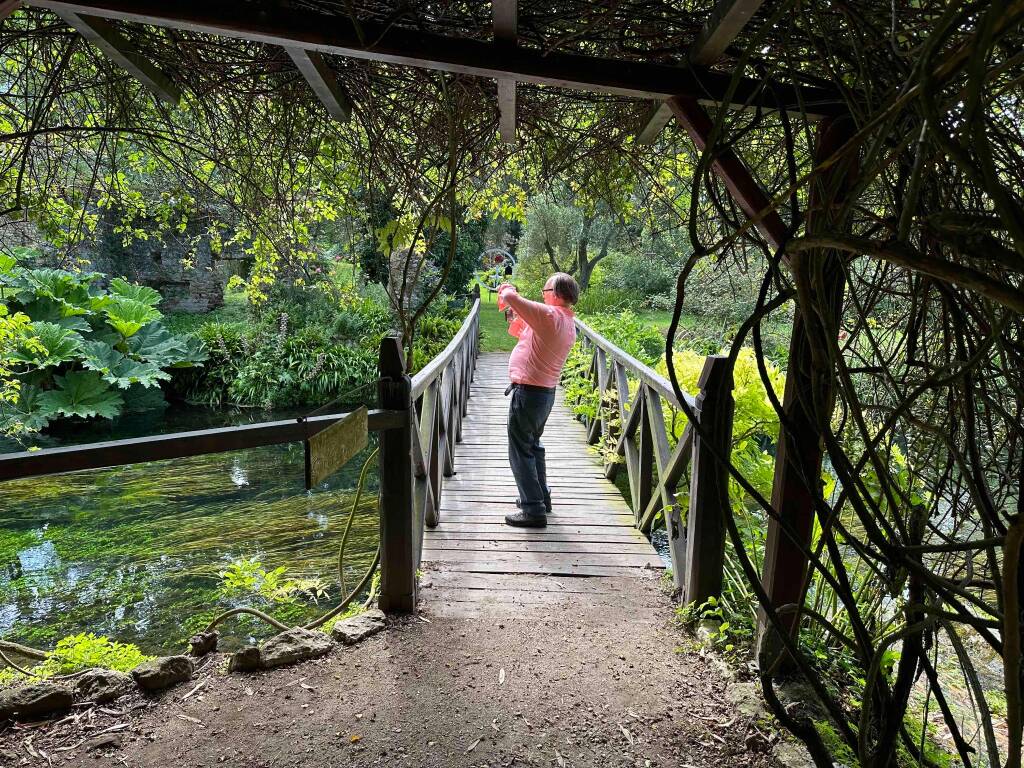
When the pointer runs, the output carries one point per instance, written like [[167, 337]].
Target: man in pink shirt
[[546, 333]]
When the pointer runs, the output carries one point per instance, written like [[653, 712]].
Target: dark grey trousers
[[527, 414]]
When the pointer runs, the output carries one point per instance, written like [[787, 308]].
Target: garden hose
[[341, 563]]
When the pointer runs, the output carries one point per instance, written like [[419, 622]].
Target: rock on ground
[[34, 700], [584, 675], [245, 660], [163, 672], [293, 646], [350, 631], [103, 685]]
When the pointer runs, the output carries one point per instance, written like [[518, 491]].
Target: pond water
[[135, 552]]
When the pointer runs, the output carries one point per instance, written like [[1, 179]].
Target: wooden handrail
[[435, 367], [175, 445], [648, 375], [634, 425], [416, 459]]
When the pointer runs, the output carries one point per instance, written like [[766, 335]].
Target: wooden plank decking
[[590, 531]]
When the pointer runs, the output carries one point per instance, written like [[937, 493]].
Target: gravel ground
[[564, 683]]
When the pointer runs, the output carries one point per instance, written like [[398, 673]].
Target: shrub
[[83, 651], [309, 345], [85, 350], [644, 277]]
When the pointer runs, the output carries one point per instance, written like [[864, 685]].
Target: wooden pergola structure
[[312, 32]]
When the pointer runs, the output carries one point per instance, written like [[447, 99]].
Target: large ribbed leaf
[[82, 393], [29, 413], [118, 369], [140, 293], [127, 316], [68, 289], [155, 344], [48, 346]]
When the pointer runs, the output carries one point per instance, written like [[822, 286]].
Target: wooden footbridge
[[452, 485], [445, 482]]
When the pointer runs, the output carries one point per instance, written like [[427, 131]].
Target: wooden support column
[[709, 483], [398, 536], [324, 82], [808, 402], [506, 31], [120, 50]]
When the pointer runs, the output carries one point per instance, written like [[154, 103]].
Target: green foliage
[[70, 346], [81, 393], [247, 576], [79, 652], [305, 346]]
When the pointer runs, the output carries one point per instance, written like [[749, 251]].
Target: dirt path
[[562, 682]]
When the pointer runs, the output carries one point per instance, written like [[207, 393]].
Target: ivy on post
[[709, 483], [808, 401], [398, 556]]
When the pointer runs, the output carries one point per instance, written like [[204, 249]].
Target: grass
[[494, 336], [233, 310]]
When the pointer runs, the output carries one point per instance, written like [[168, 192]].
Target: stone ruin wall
[[183, 268]]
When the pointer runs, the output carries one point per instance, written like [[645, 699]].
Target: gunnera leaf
[[48, 346], [157, 345], [69, 289], [127, 316], [29, 414], [84, 394], [140, 293], [118, 369]]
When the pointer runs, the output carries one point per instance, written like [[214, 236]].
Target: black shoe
[[547, 505], [523, 520], [547, 502]]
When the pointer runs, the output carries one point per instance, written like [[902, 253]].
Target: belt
[[529, 388]]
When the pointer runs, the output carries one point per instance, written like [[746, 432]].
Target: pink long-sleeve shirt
[[547, 336]]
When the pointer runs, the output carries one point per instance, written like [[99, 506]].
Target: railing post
[[709, 483], [398, 556]]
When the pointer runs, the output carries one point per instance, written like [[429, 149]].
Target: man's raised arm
[[533, 312]]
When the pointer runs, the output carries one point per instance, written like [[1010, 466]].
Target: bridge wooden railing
[[415, 459], [419, 422], [635, 425]]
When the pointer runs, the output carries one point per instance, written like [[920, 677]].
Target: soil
[[566, 681]]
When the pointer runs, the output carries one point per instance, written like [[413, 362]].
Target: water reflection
[[134, 552]]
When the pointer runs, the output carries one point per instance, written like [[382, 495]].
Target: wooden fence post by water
[[709, 483], [398, 527]]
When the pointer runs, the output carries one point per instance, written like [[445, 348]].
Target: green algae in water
[[134, 552]]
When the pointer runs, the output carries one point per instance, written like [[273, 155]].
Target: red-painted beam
[[730, 168]]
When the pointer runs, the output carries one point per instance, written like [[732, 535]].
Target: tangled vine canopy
[[899, 248]]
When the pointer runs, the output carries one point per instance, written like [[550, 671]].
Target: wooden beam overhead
[[324, 82], [119, 50], [506, 31], [742, 186], [726, 21], [7, 7], [655, 121], [337, 34]]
